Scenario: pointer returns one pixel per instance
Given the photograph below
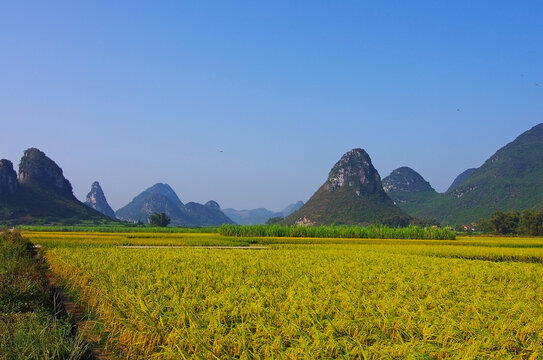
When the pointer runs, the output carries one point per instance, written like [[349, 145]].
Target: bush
[[159, 219]]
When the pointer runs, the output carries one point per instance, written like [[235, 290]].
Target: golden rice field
[[471, 298]]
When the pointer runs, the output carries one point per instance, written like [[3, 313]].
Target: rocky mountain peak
[[35, 167], [405, 179], [8, 178], [355, 170], [97, 200], [352, 194]]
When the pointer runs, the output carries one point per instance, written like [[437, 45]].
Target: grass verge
[[32, 326]]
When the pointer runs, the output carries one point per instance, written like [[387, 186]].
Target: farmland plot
[[296, 301]]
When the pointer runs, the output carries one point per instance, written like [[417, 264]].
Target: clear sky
[[138, 92]]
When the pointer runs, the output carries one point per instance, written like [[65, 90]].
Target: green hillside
[[512, 179], [459, 180]]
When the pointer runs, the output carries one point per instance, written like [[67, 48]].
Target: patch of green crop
[[367, 232]]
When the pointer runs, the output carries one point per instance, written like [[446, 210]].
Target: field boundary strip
[[191, 247]]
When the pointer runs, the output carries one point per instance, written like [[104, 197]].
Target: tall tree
[[159, 219]]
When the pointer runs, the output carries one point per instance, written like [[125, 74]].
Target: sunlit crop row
[[294, 301]]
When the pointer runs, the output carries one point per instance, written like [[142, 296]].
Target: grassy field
[[301, 298]]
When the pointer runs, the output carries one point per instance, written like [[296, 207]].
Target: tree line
[[527, 222]]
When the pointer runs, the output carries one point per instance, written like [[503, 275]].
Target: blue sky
[[134, 93]]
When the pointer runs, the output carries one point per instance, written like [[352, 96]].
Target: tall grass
[[29, 325], [360, 232]]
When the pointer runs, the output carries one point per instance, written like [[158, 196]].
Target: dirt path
[[84, 326]]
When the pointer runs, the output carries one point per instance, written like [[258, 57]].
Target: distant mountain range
[[161, 198], [40, 194], [260, 215], [512, 179], [352, 194]]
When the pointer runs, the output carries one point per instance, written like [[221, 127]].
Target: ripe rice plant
[[367, 299]]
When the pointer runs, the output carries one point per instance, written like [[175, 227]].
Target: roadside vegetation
[[31, 326]]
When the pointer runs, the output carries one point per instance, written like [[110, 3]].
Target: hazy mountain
[[161, 198], [40, 194], [259, 215], [156, 199], [292, 208], [97, 200], [352, 194], [460, 179], [250, 217], [209, 214], [213, 204]]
